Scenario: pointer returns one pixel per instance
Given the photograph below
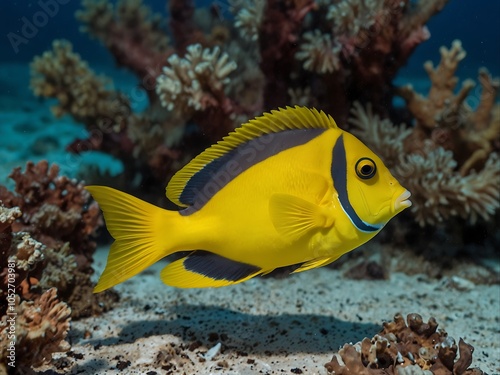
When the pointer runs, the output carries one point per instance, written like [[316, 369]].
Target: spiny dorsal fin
[[276, 121]]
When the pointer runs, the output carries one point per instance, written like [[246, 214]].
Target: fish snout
[[402, 201]]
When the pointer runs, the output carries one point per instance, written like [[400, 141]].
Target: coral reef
[[61, 74], [196, 83], [319, 52], [45, 263], [131, 32], [20, 254], [248, 17], [411, 347], [218, 71], [50, 242], [447, 120], [449, 160], [35, 324], [41, 327]]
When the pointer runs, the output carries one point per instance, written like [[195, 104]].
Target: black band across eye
[[365, 168]]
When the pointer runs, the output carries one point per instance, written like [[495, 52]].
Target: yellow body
[[282, 210]]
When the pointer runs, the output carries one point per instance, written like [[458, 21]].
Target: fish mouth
[[402, 201]]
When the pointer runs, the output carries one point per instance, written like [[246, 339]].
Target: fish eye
[[365, 168]]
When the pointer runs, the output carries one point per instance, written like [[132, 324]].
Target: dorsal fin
[[188, 182]]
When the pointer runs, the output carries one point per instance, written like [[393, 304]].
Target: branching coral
[[132, 33], [370, 42], [411, 347], [135, 38], [35, 329], [320, 53], [248, 17], [448, 159], [27, 252], [61, 74], [440, 192], [58, 215], [106, 113], [19, 255], [202, 95], [40, 330], [438, 189], [8, 216], [54, 262], [445, 117], [350, 17], [55, 208], [34, 324], [197, 80], [293, 45]]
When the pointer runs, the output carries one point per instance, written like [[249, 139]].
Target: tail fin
[[139, 232]]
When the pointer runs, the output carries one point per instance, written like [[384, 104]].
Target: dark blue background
[[475, 22]]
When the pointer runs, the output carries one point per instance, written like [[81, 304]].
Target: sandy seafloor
[[264, 326], [272, 326]]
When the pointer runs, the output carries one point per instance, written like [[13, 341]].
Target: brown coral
[[446, 120], [41, 327], [292, 45], [279, 31], [267, 69], [55, 208], [411, 347], [57, 222], [61, 74], [19, 255], [135, 38], [131, 32], [375, 41], [448, 159]]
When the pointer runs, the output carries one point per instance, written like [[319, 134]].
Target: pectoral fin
[[203, 269], [293, 217]]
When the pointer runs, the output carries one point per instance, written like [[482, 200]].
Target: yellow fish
[[287, 188]]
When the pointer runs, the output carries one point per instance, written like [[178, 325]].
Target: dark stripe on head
[[217, 267], [339, 176], [205, 183]]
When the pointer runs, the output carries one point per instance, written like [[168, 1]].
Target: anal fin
[[203, 269]]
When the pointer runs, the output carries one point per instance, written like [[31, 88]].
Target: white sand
[[272, 326]]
